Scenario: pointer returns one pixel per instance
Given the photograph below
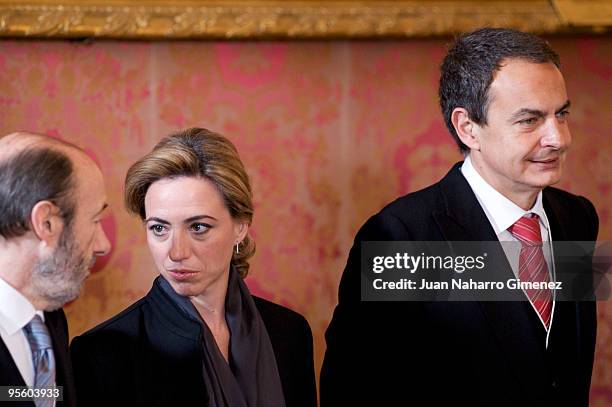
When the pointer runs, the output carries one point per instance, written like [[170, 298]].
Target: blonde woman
[[198, 337]]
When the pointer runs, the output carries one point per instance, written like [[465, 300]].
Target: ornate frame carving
[[290, 19]]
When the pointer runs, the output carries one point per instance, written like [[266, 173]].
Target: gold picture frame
[[289, 19]]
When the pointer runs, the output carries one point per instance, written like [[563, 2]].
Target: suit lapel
[[58, 330], [554, 213], [459, 214], [461, 218], [9, 372], [564, 328]]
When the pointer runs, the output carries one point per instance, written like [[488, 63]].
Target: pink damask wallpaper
[[329, 132]]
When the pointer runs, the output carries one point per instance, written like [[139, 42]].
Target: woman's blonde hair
[[197, 152]]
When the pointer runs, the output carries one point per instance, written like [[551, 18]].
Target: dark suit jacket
[[58, 330], [150, 355], [457, 353]]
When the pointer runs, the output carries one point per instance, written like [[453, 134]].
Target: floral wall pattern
[[329, 132]]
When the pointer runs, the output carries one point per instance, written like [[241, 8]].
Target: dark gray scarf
[[251, 378]]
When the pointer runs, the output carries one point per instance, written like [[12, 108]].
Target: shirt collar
[[503, 212], [15, 309]]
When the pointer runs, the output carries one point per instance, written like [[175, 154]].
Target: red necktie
[[532, 265]]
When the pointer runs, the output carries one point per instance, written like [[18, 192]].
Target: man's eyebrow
[[527, 112], [536, 112], [101, 210], [565, 106]]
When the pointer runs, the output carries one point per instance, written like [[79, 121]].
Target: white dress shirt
[[503, 213], [15, 313]]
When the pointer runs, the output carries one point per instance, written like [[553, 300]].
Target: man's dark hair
[[31, 176], [468, 69]]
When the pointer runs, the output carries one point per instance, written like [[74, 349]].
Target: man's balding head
[[14, 143], [36, 168]]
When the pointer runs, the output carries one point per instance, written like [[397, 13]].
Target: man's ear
[[466, 128], [47, 222]]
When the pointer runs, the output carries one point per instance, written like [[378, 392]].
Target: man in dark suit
[[51, 200], [505, 103]]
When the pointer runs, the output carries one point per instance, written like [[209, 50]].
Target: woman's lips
[[182, 275]]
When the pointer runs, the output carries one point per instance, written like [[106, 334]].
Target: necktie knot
[[38, 335], [527, 230]]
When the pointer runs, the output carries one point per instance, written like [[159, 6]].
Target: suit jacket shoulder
[[575, 216], [123, 321], [142, 356], [404, 218]]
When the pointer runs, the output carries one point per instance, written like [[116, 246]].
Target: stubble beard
[[58, 279]]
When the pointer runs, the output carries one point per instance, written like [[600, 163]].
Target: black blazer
[[58, 330], [457, 353], [150, 355]]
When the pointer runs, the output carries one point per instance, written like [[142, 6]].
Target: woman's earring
[[237, 249]]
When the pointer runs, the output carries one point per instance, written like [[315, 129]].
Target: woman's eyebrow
[[198, 217], [154, 219]]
